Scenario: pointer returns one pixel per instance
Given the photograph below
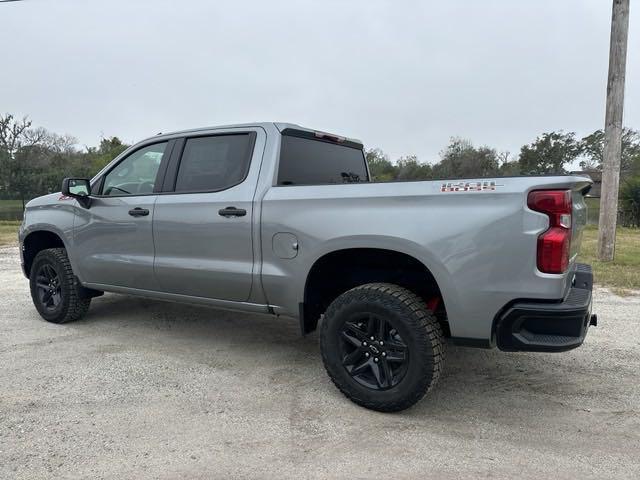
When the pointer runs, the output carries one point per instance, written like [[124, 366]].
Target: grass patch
[[9, 232], [624, 272], [10, 210]]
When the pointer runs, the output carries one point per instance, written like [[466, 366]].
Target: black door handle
[[139, 212], [232, 212]]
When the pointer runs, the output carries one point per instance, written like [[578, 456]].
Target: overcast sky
[[400, 75]]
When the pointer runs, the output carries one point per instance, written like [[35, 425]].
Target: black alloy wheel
[[48, 287], [373, 352]]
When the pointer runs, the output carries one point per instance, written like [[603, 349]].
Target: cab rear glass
[[310, 161]]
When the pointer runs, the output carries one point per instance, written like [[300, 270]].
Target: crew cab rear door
[[203, 220]]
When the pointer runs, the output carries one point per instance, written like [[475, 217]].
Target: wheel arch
[[37, 240], [337, 270]]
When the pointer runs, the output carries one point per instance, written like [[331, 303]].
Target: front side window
[[136, 174], [305, 161], [214, 163]]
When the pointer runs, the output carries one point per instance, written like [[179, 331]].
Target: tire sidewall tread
[[73, 306], [418, 327]]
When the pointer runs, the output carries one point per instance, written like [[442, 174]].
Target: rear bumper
[[535, 326]]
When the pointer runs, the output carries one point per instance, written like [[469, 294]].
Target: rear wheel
[[381, 346], [55, 290]]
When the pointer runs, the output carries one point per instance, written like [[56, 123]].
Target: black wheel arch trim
[[23, 245]]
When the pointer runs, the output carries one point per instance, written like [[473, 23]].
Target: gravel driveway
[[145, 389]]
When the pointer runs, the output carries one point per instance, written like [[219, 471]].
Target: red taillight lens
[[553, 250], [555, 243]]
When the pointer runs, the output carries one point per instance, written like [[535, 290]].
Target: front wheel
[[381, 346], [55, 290]]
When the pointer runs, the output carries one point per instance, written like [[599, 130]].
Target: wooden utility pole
[[613, 131]]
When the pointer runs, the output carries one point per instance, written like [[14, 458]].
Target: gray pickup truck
[[278, 219]]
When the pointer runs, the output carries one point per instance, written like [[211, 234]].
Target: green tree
[[380, 167], [630, 199], [39, 166], [108, 149], [508, 168], [634, 166], [409, 168], [593, 150], [17, 142], [33, 161], [462, 160], [549, 153], [405, 168]]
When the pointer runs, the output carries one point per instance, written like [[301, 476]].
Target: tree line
[[33, 160], [551, 153]]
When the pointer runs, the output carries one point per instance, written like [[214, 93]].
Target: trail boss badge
[[486, 185]]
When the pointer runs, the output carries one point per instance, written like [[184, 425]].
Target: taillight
[[554, 244]]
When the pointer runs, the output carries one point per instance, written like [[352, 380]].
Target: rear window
[[213, 163], [315, 162]]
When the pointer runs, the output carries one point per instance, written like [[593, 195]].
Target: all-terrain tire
[[67, 303], [410, 318]]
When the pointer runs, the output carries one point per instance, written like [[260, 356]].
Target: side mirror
[[78, 188]]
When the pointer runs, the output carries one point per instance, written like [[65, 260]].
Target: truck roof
[[281, 126]]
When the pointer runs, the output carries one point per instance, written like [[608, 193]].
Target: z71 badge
[[486, 185]]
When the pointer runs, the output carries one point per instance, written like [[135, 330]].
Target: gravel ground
[[144, 389]]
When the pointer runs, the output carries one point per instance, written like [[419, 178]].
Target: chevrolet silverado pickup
[[277, 219]]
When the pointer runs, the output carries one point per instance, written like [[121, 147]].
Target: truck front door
[[113, 237]]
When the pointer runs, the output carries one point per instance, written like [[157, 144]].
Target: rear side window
[[305, 161], [214, 163]]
